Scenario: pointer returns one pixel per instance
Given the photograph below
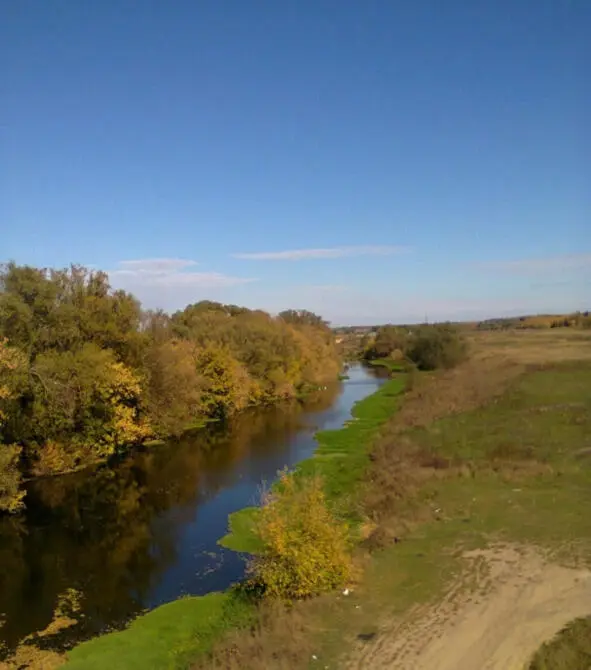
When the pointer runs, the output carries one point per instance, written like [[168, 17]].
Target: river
[[142, 532]]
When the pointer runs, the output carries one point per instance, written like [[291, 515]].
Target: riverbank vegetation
[[493, 450], [569, 650], [340, 461], [304, 549], [85, 373], [490, 451], [425, 347]]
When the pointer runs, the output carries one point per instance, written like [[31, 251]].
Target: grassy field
[[496, 451]]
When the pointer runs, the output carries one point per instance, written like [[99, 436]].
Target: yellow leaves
[[11, 360], [122, 392], [11, 496], [127, 428], [54, 457], [306, 550], [226, 383]]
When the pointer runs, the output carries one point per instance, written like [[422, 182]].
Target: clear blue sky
[[369, 160]]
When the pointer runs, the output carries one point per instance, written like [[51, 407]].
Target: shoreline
[[195, 427], [340, 457]]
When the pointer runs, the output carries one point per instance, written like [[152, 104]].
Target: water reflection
[[144, 531]]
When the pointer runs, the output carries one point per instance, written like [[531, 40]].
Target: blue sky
[[370, 160]]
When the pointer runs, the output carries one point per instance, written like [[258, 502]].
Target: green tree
[[226, 386], [174, 387], [438, 346], [86, 406]]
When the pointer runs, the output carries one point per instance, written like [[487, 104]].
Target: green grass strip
[[388, 363], [171, 636], [168, 638], [340, 459]]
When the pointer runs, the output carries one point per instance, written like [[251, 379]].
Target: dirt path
[[509, 601]]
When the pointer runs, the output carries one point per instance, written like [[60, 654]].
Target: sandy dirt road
[[509, 601]]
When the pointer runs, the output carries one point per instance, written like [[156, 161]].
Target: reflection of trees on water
[[95, 530]]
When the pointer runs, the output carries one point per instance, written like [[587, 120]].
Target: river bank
[[341, 457], [215, 478]]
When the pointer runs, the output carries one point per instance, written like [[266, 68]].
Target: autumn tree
[[12, 363], [84, 373]]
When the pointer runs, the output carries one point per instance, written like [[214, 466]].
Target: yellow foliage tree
[[226, 385], [87, 405], [305, 548]]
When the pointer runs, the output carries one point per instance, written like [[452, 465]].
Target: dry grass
[[284, 636], [533, 346], [280, 640]]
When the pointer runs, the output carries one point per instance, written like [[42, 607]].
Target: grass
[[569, 650], [340, 459], [166, 638], [495, 450], [173, 634], [514, 472], [388, 363]]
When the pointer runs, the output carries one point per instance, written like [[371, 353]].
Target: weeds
[[569, 650]]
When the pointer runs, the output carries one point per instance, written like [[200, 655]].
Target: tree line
[[85, 373], [580, 320]]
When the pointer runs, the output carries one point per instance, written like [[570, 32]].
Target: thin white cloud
[[170, 272], [536, 266], [329, 252], [168, 282], [154, 265]]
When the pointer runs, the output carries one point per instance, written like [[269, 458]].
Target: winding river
[[144, 531]]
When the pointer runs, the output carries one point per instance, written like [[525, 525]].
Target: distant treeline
[[85, 372], [576, 320], [425, 347]]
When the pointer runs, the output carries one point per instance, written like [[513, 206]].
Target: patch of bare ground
[[508, 601]]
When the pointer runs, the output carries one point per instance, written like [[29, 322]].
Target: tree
[[304, 548], [301, 317], [86, 406], [389, 339], [439, 346], [11, 495], [174, 388], [84, 373], [226, 385]]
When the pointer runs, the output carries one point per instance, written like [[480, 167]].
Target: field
[[478, 546], [476, 549]]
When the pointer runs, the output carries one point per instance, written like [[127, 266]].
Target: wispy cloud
[[537, 266], [316, 254], [170, 282], [153, 266], [171, 272]]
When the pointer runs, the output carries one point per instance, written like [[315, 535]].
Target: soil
[[508, 601]]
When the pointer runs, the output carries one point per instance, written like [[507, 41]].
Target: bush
[[439, 346], [11, 495], [305, 549]]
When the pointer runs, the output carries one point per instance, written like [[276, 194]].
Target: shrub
[[11, 495], [305, 549], [439, 346]]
